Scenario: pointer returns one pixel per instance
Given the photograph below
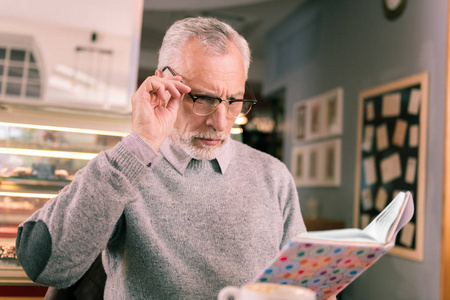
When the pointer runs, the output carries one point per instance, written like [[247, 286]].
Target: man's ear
[[158, 73]]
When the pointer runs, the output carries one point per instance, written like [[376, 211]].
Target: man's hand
[[155, 105]]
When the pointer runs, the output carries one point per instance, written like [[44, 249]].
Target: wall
[[349, 43]]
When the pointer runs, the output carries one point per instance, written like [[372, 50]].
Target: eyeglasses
[[204, 105]]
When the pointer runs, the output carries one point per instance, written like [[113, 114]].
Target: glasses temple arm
[[251, 92]]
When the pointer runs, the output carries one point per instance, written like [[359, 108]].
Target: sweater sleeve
[[290, 205], [59, 242]]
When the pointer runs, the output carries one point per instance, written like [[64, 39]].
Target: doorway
[[264, 130]]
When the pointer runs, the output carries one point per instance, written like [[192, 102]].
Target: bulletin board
[[391, 154]]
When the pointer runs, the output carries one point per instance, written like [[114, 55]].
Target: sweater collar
[[179, 159]]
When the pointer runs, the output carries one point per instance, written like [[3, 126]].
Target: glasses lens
[[246, 107], [240, 108], [205, 105], [235, 109]]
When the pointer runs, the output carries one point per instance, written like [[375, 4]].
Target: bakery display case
[[36, 161]]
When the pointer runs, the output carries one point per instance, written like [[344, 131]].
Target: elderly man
[[178, 209]]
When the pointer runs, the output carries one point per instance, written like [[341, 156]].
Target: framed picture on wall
[[318, 117], [298, 164], [390, 156], [306, 165], [300, 122], [316, 113], [317, 164], [332, 162], [313, 171], [333, 112]]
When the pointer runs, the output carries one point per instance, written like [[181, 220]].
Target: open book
[[327, 261]]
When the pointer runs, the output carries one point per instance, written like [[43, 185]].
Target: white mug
[[266, 291]]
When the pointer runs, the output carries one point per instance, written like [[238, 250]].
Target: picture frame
[[313, 165], [317, 164], [318, 117], [315, 117], [332, 162], [300, 121], [391, 156], [298, 161]]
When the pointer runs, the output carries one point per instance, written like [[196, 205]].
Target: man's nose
[[219, 118]]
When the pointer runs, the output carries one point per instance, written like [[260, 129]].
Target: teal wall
[[349, 43]]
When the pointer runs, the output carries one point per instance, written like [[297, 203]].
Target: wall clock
[[393, 8]]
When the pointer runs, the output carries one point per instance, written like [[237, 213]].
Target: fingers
[[174, 103], [155, 105], [159, 86]]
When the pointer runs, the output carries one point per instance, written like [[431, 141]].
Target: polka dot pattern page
[[328, 265]]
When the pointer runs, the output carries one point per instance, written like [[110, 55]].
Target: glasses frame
[[195, 97]]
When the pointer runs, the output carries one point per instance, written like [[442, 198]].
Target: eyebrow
[[238, 95]]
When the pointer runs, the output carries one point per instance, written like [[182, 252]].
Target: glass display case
[[36, 161]]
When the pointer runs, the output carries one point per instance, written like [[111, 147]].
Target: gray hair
[[212, 33]]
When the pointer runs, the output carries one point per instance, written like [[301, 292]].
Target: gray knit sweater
[[165, 233]]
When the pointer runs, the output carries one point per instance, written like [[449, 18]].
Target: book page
[[381, 226], [376, 232], [348, 234]]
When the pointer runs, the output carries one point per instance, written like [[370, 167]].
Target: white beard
[[204, 152]]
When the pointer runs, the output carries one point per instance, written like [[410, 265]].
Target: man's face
[[221, 76]]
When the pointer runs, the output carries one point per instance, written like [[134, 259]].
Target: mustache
[[207, 135]]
